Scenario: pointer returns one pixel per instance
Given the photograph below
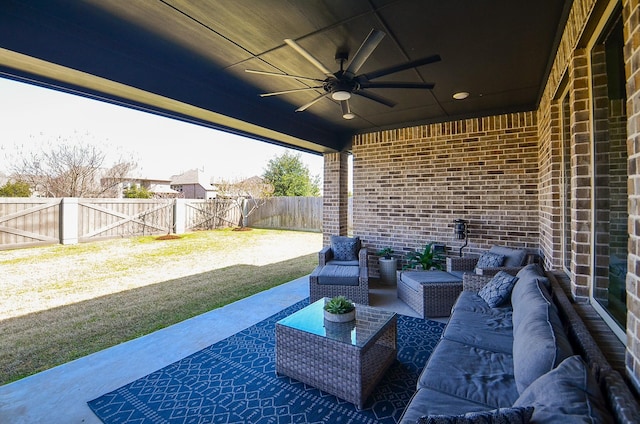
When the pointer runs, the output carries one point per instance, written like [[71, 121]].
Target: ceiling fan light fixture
[[341, 95], [461, 95], [346, 110]]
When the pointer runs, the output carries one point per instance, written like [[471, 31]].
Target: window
[[610, 212]]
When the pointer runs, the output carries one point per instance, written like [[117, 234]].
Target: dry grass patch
[[133, 287]]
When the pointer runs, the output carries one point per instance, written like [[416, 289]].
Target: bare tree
[[70, 169], [247, 195]]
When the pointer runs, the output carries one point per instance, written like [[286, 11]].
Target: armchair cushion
[[345, 248], [490, 260], [512, 257]]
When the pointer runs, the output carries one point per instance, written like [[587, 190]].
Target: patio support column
[[336, 196]]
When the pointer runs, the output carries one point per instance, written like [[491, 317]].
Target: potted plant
[[388, 265], [339, 309], [426, 259]]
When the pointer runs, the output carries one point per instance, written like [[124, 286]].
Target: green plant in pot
[[386, 253], [426, 259], [339, 309]]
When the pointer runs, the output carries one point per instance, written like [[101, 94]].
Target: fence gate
[[109, 218], [211, 214], [26, 222]]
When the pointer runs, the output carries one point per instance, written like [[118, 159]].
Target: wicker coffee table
[[345, 360]]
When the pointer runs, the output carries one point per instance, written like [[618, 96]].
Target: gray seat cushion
[[470, 301], [339, 275], [475, 374], [486, 331]]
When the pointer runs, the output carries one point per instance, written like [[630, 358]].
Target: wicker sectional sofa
[[520, 354]]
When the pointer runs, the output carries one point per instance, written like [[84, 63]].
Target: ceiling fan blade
[[364, 51], [423, 85], [308, 56], [277, 93], [398, 68], [274, 74], [311, 103], [375, 98]]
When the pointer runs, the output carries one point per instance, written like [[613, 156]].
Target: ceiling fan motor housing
[[333, 85]]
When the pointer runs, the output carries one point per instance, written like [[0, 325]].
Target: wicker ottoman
[[429, 293]]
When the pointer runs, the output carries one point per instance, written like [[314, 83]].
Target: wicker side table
[[429, 293], [349, 369]]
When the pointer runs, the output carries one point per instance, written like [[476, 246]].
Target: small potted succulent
[[339, 309], [388, 265]]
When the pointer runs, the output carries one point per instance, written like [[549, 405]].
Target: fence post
[[180, 216], [69, 220]]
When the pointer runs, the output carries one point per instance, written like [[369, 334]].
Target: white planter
[[349, 316], [388, 268]]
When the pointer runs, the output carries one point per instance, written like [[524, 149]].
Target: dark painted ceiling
[[187, 59]]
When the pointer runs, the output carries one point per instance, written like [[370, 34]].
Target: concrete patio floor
[[60, 395]]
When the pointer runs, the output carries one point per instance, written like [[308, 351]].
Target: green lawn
[[117, 290]]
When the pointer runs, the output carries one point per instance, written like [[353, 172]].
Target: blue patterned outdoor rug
[[234, 381]]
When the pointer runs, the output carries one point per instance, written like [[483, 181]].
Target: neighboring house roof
[[162, 189], [192, 176]]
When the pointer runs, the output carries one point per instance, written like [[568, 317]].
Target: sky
[[37, 117]]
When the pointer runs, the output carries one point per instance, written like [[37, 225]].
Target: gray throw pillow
[[520, 415], [345, 248], [490, 260], [567, 394], [498, 290]]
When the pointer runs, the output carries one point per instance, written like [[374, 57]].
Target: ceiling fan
[[340, 85]]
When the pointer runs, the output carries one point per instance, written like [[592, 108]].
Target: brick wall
[[335, 196], [410, 184]]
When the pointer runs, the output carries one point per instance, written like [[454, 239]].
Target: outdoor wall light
[[460, 228]]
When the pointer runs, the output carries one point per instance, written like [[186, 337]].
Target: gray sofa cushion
[[498, 290], [527, 298], [475, 374], [534, 271], [567, 394], [539, 344], [345, 248], [470, 301], [513, 415], [426, 401], [339, 275], [487, 331], [512, 257]]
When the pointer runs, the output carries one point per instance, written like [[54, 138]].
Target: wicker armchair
[[335, 276]]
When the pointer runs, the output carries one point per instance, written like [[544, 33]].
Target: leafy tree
[[290, 177], [17, 189], [70, 168], [137, 192]]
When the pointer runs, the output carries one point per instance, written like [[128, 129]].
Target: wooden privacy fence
[[26, 222]]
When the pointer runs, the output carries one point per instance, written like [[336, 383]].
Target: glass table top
[[358, 333]]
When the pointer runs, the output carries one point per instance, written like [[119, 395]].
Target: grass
[[47, 336]]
